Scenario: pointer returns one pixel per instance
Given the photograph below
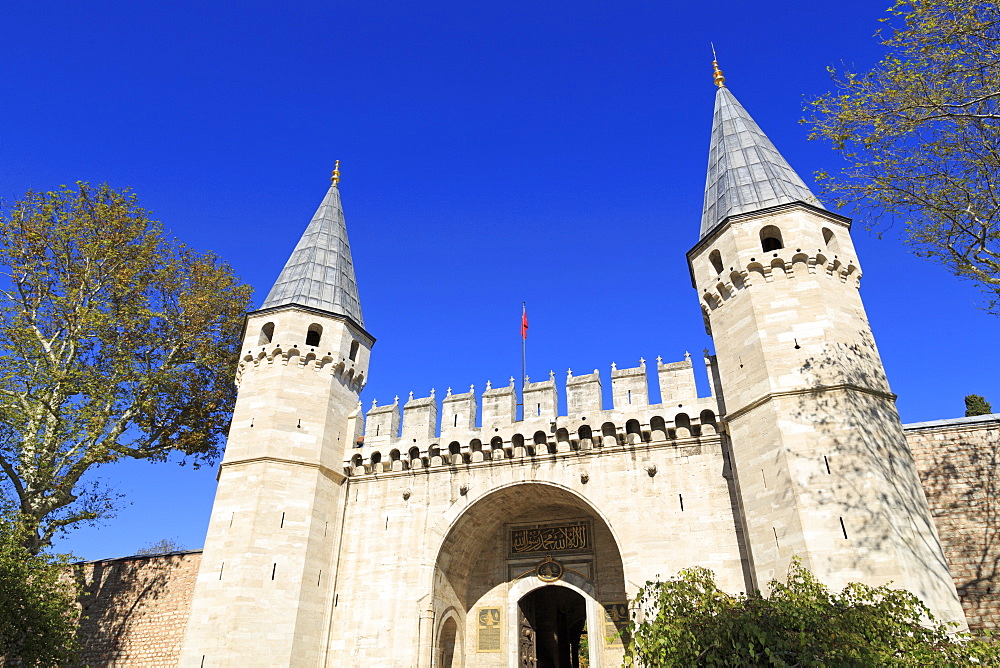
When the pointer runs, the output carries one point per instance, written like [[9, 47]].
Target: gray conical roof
[[320, 272], [745, 171]]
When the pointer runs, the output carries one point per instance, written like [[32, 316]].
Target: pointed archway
[[531, 558]]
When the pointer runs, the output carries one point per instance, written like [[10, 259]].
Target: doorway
[[449, 637], [551, 622]]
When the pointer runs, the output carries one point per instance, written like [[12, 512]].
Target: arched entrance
[[551, 621], [532, 557], [446, 645]]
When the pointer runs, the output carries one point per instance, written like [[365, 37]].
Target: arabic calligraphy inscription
[[560, 538]]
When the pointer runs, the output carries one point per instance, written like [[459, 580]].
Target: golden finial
[[720, 80], [335, 179]]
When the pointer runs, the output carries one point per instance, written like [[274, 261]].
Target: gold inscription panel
[[488, 630], [573, 537], [615, 619]]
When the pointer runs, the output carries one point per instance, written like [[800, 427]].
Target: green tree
[[38, 610], [689, 621], [977, 405], [115, 342], [920, 133]]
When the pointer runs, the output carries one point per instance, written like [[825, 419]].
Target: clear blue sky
[[552, 152]]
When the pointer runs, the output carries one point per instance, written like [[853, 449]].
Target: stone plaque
[[488, 630], [615, 619], [552, 538]]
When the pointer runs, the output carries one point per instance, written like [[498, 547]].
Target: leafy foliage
[[977, 405], [689, 621], [115, 342], [921, 135], [38, 611]]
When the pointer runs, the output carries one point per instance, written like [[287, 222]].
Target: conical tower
[[263, 594], [822, 464]]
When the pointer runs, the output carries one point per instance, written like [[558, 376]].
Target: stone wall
[[958, 462], [134, 609]]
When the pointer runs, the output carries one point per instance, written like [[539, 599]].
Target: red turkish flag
[[524, 323]]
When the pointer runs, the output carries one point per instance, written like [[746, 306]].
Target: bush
[[689, 621]]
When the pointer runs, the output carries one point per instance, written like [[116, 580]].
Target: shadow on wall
[[960, 474], [134, 609], [857, 462]]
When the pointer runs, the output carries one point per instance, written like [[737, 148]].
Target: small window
[[770, 239], [716, 258], [314, 334], [354, 350], [830, 239], [266, 334]]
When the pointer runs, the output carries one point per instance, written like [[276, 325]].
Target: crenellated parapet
[[410, 441], [780, 265], [292, 357], [655, 426]]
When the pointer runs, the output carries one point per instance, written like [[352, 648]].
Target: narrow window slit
[[764, 478], [232, 519], [681, 497], [222, 568], [274, 569], [630, 396], [827, 462], [456, 420], [319, 577], [843, 528], [282, 525], [776, 543]]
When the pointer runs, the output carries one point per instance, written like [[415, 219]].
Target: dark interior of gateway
[[551, 622]]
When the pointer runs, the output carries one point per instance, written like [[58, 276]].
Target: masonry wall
[[134, 609], [958, 464]]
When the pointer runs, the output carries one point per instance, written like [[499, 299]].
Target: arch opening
[[447, 642], [266, 334], [314, 334], [830, 239], [488, 562], [770, 238], [551, 622], [716, 259]]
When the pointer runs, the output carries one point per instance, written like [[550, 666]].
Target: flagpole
[[524, 338]]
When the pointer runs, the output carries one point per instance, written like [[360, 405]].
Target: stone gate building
[[450, 531]]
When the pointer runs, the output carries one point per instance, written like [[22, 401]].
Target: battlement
[[274, 355], [410, 440], [783, 264]]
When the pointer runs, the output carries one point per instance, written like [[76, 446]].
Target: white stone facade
[[448, 532]]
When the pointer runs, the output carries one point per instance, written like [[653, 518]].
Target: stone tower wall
[[820, 455], [265, 583]]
